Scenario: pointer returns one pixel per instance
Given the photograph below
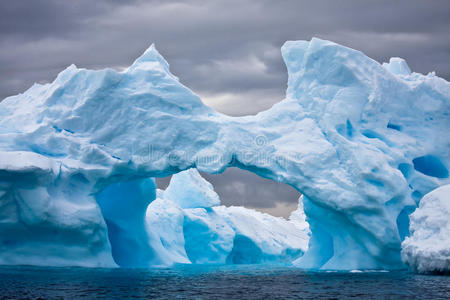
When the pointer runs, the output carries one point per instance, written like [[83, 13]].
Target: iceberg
[[362, 141], [427, 250]]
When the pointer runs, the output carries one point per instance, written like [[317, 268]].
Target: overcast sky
[[225, 51]]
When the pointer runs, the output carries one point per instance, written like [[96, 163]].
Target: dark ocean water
[[215, 282]]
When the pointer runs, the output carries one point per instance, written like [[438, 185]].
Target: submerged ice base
[[363, 142]]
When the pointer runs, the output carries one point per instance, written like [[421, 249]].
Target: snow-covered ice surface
[[427, 250], [363, 142]]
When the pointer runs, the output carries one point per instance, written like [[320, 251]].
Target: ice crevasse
[[362, 141]]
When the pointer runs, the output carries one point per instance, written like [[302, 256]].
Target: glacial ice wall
[[363, 142]]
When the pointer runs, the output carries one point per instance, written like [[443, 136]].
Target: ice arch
[[332, 139]]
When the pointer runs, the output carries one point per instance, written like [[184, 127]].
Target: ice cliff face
[[427, 250], [47, 216], [362, 141]]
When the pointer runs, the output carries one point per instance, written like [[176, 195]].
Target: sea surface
[[215, 282]]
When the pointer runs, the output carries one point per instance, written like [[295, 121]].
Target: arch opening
[[152, 227], [239, 187], [248, 226]]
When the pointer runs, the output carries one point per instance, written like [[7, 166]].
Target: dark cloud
[[239, 187], [242, 188], [226, 51]]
